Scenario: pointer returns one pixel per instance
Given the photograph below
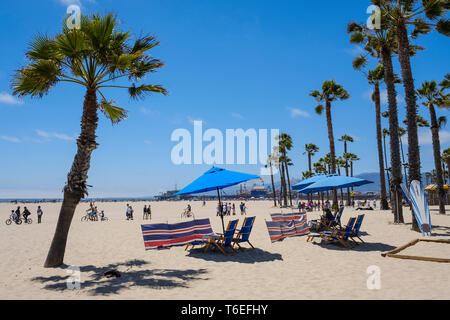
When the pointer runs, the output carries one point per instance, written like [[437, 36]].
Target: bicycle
[[11, 219], [27, 220], [187, 214], [88, 217]]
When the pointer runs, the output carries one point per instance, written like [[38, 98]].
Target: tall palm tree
[[331, 91], [346, 138], [418, 14], [272, 160], [446, 158], [342, 163], [381, 43], [92, 56], [433, 96], [386, 133], [285, 144], [401, 133], [311, 149]]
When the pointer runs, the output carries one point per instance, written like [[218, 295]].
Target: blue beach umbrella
[[307, 182], [216, 179], [334, 181]]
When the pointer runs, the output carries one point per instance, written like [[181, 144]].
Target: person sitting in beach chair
[[339, 236]]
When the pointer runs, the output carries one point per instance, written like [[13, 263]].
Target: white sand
[[292, 269]]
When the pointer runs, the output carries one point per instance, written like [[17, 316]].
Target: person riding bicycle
[[17, 212], [15, 217], [188, 209], [26, 213]]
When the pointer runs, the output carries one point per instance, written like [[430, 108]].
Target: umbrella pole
[[221, 210]]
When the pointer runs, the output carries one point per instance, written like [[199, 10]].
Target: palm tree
[[433, 96], [346, 138], [446, 159], [311, 149], [380, 43], [272, 160], [386, 133], [419, 14], [331, 91], [342, 163], [91, 56], [427, 177], [401, 133], [285, 144], [375, 78]]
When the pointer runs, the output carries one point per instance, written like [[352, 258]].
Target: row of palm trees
[[400, 22]]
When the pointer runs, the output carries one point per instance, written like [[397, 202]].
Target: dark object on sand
[[112, 274]]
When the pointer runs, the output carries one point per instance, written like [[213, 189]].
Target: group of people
[[324, 205], [147, 212], [227, 209], [16, 214], [94, 214]]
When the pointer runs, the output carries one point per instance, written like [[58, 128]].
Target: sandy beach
[[291, 269]]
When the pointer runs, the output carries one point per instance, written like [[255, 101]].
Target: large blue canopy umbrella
[[216, 179], [334, 181], [305, 183]]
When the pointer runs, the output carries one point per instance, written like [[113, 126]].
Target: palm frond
[[142, 90], [112, 112]]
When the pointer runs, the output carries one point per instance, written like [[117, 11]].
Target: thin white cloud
[[147, 142], [48, 135], [192, 120], [298, 113], [425, 137], [10, 139], [148, 111], [9, 99], [237, 116]]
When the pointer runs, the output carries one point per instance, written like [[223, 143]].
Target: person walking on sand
[[128, 212], [228, 209], [144, 216], [234, 209], [218, 209], [149, 212], [39, 213]]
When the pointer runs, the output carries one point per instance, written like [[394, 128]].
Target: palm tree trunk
[[437, 159], [284, 185], [346, 173], [289, 182], [273, 185], [403, 162], [310, 170], [396, 169], [411, 108], [377, 100], [75, 188], [332, 147]]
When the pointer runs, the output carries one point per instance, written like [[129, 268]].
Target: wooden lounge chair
[[243, 234]]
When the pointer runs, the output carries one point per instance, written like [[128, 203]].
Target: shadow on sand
[[97, 284], [246, 256], [364, 247], [436, 231]]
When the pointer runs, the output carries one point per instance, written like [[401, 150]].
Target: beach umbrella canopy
[[216, 179], [307, 182], [334, 181]]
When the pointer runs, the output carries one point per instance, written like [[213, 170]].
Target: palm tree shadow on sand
[[245, 256], [97, 284]]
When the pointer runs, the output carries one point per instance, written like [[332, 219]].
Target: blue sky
[[233, 64]]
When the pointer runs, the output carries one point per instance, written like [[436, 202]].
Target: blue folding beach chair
[[243, 234], [340, 236], [355, 232]]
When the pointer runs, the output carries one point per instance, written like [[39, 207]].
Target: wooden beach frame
[[393, 253]]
